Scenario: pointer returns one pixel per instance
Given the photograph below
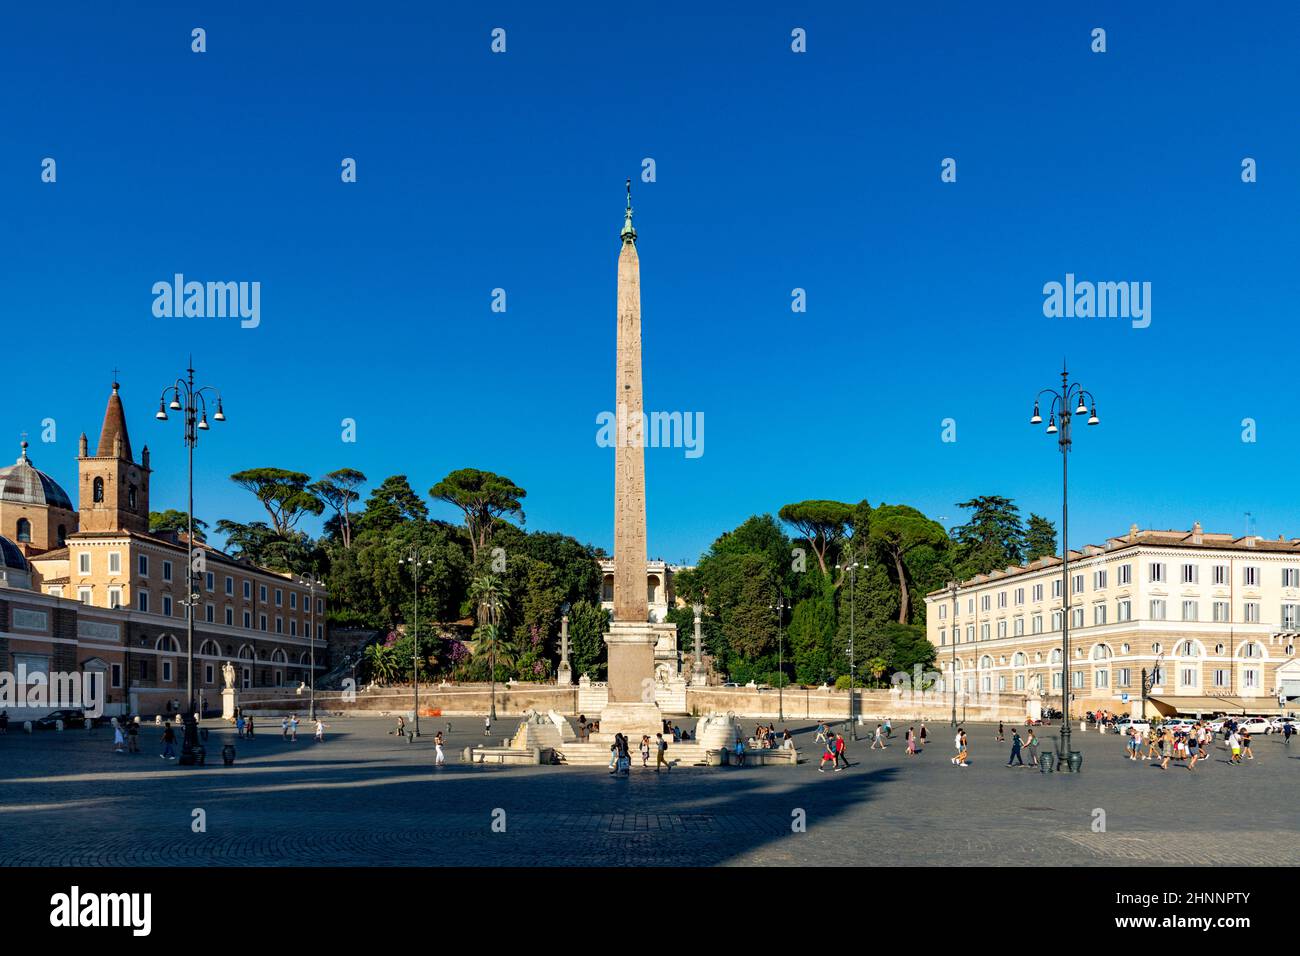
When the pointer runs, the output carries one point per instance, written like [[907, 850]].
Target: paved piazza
[[367, 798]]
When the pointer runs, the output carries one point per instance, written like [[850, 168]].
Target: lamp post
[[952, 670], [852, 568], [195, 407], [1071, 396], [781, 606], [416, 560], [312, 583]]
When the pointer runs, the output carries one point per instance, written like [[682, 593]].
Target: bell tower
[[113, 489]]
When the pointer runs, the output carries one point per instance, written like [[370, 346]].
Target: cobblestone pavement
[[365, 797]]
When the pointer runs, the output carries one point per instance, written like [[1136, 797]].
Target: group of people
[[833, 752], [1191, 744], [765, 738], [620, 755]]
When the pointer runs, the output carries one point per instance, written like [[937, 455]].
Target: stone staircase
[[574, 754]]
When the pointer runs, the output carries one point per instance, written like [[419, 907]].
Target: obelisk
[[631, 638]]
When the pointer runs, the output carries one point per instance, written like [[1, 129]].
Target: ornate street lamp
[[312, 583], [952, 670], [416, 559], [852, 568], [781, 606], [1073, 399], [195, 407]]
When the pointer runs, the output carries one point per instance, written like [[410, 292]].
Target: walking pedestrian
[[662, 759], [740, 753], [1002, 734], [613, 756], [645, 750], [840, 755], [438, 757], [293, 729], [828, 753], [925, 736], [1234, 745], [169, 738], [1245, 745], [248, 727], [320, 731], [959, 742], [1031, 747], [889, 729], [911, 742], [1015, 749], [133, 735], [119, 741], [879, 739], [284, 727], [487, 726], [821, 732], [239, 726]]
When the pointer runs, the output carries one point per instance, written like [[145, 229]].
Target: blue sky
[[774, 170]]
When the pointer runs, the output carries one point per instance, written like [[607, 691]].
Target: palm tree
[[489, 596], [877, 666]]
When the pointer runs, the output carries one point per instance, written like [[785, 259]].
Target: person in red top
[[839, 752]]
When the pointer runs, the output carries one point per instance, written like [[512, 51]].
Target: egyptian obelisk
[[631, 638]]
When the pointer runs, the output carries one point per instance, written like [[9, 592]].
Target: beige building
[[1212, 618], [660, 593], [113, 597]]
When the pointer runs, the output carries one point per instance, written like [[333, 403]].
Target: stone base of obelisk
[[564, 676], [631, 709]]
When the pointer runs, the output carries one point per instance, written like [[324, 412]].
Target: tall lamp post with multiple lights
[[313, 583], [852, 568], [416, 559], [1073, 399], [195, 407], [780, 607], [952, 670]]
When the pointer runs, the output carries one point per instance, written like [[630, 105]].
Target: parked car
[[1255, 725], [1124, 724], [1280, 722], [71, 717]]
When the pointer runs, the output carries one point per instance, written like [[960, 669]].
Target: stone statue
[[228, 672]]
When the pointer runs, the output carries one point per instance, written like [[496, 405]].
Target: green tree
[[588, 622], [993, 538], [176, 522], [392, 503], [338, 490], [811, 634], [821, 523], [1040, 538], [896, 531], [483, 497], [282, 493]]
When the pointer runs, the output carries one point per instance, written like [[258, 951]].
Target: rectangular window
[[1220, 677], [1187, 677], [230, 617], [1036, 625], [293, 600], [262, 618], [1291, 577], [1156, 572], [943, 639], [1125, 574], [230, 585], [1002, 682], [1222, 612], [1250, 677], [1221, 575], [279, 597], [144, 670], [1019, 627], [115, 562], [943, 612], [210, 581], [1101, 679], [83, 562], [248, 620], [1157, 609], [1056, 587], [248, 590], [142, 601], [142, 565], [116, 675], [167, 570], [1020, 595], [1076, 617], [1056, 620], [1124, 610], [1038, 593], [320, 605], [1078, 584], [984, 632], [1189, 610], [1123, 677], [293, 627], [1251, 609], [207, 673], [1250, 576], [1076, 679], [167, 606], [210, 613], [1289, 616], [1189, 574], [1099, 580], [261, 592], [114, 597], [85, 595], [1099, 614], [970, 634], [320, 632], [166, 671]]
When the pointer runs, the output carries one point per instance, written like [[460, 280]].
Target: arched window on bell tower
[[130, 497], [24, 530], [98, 494]]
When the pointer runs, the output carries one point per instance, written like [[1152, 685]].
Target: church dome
[[21, 483], [10, 557]]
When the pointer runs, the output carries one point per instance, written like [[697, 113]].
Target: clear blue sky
[[774, 171]]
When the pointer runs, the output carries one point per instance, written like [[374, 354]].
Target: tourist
[[1150, 741], [1287, 730], [959, 742], [645, 750], [924, 735], [1245, 745], [293, 729], [613, 756], [911, 742], [320, 731], [879, 738], [1191, 765], [169, 738], [828, 753], [284, 728], [133, 735], [248, 727], [1031, 747], [839, 752], [239, 726], [1015, 748], [787, 739], [1002, 734], [677, 734], [740, 752], [624, 754], [1131, 744], [1166, 748], [582, 728], [662, 759], [1234, 745], [119, 741], [889, 729], [487, 726], [822, 730], [438, 757]]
